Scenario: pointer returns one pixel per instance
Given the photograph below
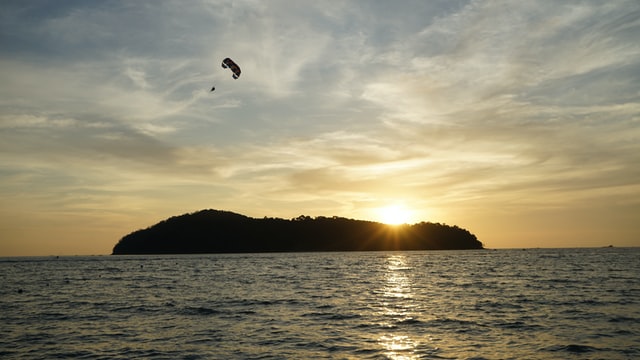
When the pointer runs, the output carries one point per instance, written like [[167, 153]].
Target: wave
[[331, 316], [572, 348], [199, 311], [623, 319], [411, 322]]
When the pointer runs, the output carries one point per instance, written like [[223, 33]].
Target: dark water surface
[[505, 304]]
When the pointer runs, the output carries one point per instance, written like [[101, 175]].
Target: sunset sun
[[394, 214]]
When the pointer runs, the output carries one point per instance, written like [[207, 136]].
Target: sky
[[516, 120]]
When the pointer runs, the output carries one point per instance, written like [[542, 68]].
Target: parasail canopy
[[228, 63]]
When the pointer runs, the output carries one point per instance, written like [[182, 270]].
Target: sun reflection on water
[[397, 347], [398, 284], [397, 305]]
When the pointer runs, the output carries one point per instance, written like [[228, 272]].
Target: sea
[[481, 304]]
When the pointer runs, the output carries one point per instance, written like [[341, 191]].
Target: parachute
[[228, 63]]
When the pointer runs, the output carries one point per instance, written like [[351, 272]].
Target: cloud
[[446, 106]]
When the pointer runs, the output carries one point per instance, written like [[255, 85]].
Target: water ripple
[[538, 304]]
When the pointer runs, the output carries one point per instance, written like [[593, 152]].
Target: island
[[217, 231]]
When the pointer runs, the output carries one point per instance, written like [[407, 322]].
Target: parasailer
[[228, 63]]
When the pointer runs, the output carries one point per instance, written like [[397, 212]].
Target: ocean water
[[504, 304]]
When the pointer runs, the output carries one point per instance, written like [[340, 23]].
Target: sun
[[394, 214]]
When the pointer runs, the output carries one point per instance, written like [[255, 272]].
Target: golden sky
[[519, 121]]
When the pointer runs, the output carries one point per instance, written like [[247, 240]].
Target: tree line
[[215, 231]]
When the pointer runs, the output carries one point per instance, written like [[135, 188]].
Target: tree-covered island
[[215, 231]]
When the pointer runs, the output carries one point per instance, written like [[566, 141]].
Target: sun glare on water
[[394, 215]]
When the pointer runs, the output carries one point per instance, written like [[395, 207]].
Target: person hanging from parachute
[[228, 63]]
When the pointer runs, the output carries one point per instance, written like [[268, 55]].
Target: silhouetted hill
[[214, 231]]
